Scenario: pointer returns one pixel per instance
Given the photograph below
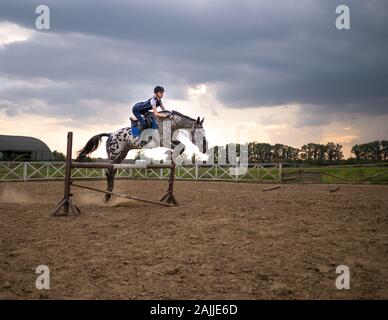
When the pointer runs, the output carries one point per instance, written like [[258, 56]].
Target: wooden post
[[169, 196], [69, 152], [25, 171], [280, 172], [67, 202]]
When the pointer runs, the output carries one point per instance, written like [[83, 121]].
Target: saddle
[[148, 117]]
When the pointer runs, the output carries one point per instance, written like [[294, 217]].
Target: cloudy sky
[[270, 71]]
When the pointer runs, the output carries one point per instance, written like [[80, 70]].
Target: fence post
[[196, 171], [25, 171], [280, 172]]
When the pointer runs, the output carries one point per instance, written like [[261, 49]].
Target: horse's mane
[[180, 114]]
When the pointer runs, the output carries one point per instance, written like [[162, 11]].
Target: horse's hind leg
[[117, 150]]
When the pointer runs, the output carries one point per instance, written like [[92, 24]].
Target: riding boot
[[136, 131]]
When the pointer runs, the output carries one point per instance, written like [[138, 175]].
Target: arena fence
[[30, 171], [259, 172]]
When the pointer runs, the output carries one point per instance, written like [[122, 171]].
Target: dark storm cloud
[[256, 53]]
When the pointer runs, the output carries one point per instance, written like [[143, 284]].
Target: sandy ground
[[224, 241]]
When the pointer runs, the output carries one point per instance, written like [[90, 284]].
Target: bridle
[[192, 131]]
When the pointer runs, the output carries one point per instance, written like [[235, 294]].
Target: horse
[[119, 143]]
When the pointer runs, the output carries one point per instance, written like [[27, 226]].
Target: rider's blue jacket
[[145, 106]]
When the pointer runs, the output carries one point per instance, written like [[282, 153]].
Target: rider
[[140, 108]]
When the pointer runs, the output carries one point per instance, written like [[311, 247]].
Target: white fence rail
[[30, 171]]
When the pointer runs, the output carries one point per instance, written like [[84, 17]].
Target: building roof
[[20, 143]]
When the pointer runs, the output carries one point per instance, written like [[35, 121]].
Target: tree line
[[311, 152], [374, 151]]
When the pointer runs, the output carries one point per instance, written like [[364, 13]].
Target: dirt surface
[[224, 241]]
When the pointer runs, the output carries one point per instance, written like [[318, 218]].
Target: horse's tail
[[91, 146]]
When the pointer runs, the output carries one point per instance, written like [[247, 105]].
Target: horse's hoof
[[107, 197]]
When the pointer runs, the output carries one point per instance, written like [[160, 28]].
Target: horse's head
[[198, 135], [194, 126]]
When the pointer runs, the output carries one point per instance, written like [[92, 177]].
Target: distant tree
[[384, 150], [305, 152], [313, 151], [372, 151], [58, 156], [253, 155], [277, 153], [321, 153], [265, 152], [333, 152], [290, 153], [356, 150]]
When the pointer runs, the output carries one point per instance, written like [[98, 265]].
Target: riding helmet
[[158, 89]]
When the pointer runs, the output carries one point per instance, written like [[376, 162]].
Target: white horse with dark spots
[[184, 132]]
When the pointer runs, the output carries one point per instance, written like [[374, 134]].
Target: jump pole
[[122, 195], [67, 203]]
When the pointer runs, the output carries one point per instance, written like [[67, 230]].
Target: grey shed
[[19, 148]]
